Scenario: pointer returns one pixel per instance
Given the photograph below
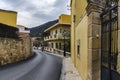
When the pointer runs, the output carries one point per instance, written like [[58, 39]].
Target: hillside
[[35, 31]]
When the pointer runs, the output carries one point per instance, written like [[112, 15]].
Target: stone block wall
[[94, 41], [13, 50]]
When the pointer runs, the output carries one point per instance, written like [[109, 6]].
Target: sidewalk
[[70, 71]]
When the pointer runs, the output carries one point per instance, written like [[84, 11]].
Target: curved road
[[41, 67]]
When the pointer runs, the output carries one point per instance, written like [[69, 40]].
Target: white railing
[[60, 52]]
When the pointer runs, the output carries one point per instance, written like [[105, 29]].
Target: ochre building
[[95, 42], [8, 17], [56, 35], [12, 48]]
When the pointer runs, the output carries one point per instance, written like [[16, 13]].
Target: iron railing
[[109, 43]]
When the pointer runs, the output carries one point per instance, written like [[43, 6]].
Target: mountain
[[35, 31]]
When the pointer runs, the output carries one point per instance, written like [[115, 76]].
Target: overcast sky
[[32, 13]]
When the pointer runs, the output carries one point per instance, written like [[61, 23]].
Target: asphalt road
[[41, 67]]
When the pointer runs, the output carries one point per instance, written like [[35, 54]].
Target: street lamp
[[64, 34]]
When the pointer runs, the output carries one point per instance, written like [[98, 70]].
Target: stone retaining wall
[[13, 50]]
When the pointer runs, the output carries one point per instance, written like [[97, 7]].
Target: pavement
[[41, 67], [71, 72]]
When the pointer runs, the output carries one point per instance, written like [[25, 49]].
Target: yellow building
[[8, 17], [8, 20], [55, 37], [95, 54], [79, 37]]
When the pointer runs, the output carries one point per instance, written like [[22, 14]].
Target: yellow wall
[[80, 7], [8, 18], [82, 59], [73, 32], [79, 32], [64, 18]]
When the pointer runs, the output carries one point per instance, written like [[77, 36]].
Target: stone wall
[[13, 50], [94, 41]]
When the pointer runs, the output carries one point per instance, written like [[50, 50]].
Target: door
[[109, 44]]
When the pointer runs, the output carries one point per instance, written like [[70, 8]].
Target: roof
[[56, 25], [7, 26], [8, 11], [19, 26]]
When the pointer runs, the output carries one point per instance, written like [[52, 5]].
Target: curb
[[63, 70], [53, 54]]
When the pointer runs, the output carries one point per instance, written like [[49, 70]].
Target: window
[[56, 31], [55, 36], [56, 45], [52, 45], [60, 30], [78, 47], [74, 18], [60, 46]]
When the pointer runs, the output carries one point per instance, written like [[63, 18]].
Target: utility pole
[[64, 47]]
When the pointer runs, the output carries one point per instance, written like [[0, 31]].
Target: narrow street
[[42, 67]]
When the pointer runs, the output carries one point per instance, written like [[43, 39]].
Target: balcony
[[46, 38], [55, 37]]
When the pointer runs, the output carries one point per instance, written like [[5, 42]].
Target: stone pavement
[[71, 72]]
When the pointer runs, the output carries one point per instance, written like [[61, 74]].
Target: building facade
[[8, 24], [79, 37], [8, 17], [95, 38], [57, 33], [12, 48], [23, 31]]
